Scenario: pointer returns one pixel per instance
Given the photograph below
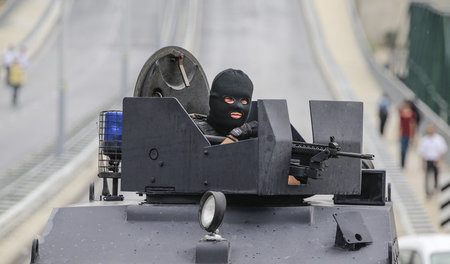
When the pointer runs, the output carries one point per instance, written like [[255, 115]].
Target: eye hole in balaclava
[[229, 100]]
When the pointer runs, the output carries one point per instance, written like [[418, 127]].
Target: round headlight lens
[[207, 214], [211, 211]]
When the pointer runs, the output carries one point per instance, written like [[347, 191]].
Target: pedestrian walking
[[432, 148], [383, 112], [8, 57], [407, 129], [15, 79]]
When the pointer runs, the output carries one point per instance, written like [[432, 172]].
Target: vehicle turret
[[190, 186]]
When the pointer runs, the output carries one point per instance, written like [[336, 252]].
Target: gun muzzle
[[356, 155]]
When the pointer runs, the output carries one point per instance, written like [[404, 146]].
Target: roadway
[[93, 74], [268, 41], [266, 49], [28, 132], [274, 52]]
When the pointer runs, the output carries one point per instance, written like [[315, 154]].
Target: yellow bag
[[16, 75]]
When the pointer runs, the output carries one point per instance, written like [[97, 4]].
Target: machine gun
[[307, 160]]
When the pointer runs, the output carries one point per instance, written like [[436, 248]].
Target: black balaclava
[[236, 85]]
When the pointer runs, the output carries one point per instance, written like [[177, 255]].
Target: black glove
[[246, 131]]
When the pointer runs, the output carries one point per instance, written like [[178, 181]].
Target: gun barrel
[[356, 155]]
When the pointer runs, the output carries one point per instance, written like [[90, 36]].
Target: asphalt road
[[268, 40], [93, 70]]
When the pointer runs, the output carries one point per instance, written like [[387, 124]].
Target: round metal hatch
[[174, 72]]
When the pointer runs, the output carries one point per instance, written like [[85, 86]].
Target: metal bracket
[[181, 66], [215, 251], [373, 190], [351, 233]]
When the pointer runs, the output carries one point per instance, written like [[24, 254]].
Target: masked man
[[229, 103]]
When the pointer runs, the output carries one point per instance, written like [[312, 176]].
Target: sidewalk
[[335, 19], [414, 170]]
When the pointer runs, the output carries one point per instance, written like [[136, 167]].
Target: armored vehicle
[[189, 186]]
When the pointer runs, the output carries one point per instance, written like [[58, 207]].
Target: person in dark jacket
[[383, 112], [229, 101]]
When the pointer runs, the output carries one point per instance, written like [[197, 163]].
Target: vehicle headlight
[[211, 211]]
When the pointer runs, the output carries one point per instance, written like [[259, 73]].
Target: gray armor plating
[[203, 125]]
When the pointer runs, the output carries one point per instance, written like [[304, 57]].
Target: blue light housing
[[111, 128]]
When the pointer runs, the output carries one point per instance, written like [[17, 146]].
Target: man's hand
[[246, 131]]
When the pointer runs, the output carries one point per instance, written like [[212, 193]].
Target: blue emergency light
[[113, 127], [112, 134]]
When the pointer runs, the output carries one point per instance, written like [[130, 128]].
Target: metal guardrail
[[430, 89], [24, 193], [26, 188]]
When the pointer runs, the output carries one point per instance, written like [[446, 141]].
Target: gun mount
[[315, 156], [157, 127], [242, 187]]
